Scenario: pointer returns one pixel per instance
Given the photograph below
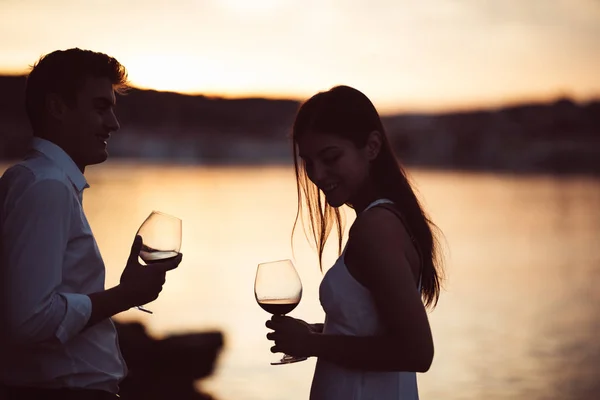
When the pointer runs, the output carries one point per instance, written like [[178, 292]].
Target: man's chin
[[98, 158]]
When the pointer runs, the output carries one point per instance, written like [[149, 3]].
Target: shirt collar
[[63, 160]]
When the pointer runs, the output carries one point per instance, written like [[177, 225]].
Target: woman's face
[[336, 166]]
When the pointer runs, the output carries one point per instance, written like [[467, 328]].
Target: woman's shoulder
[[379, 222], [379, 240], [381, 219]]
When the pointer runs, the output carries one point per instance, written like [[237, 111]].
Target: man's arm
[[35, 233], [107, 303], [138, 285]]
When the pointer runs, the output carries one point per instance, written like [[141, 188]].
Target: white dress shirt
[[49, 262]]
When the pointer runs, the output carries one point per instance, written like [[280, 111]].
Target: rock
[[169, 367]]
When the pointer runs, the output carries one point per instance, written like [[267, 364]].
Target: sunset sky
[[404, 54]]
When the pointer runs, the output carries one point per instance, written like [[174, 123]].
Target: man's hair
[[63, 72]]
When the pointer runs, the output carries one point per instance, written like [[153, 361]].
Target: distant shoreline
[[554, 138]]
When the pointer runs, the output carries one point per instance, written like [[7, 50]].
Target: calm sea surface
[[519, 317]]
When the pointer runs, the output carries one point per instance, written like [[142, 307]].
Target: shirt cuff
[[79, 310]]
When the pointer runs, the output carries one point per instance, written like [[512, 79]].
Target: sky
[[421, 55]]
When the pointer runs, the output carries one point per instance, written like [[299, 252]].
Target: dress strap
[[377, 202]]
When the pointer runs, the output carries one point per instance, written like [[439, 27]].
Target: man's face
[[88, 124]]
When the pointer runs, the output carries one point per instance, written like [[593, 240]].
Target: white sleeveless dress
[[350, 310]]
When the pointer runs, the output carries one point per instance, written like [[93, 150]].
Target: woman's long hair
[[347, 113]]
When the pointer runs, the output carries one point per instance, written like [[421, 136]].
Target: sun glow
[[198, 75], [413, 56], [251, 7], [170, 72]]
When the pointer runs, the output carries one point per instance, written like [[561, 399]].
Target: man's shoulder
[[16, 178], [26, 174], [32, 169]]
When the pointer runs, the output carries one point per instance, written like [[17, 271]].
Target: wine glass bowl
[[278, 290], [161, 236], [161, 240]]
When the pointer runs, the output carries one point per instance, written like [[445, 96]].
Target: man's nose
[[113, 123]]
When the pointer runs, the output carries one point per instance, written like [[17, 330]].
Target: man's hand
[[142, 284], [139, 285]]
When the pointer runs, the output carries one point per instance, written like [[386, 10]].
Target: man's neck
[[44, 135]]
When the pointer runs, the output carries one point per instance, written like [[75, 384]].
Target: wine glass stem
[[144, 309]]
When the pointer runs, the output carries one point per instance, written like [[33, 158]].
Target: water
[[519, 317]]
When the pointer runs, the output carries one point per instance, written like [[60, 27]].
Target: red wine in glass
[[277, 307], [278, 290]]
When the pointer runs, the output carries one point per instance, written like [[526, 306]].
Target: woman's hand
[[291, 336]]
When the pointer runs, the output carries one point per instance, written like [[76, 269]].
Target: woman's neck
[[366, 197]]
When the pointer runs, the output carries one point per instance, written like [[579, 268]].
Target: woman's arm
[[375, 254]]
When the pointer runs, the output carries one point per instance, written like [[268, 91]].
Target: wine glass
[[278, 290], [161, 236]]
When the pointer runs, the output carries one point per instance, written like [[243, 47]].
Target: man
[[57, 338]]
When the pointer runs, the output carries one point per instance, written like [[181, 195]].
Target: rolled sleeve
[[78, 312], [35, 234]]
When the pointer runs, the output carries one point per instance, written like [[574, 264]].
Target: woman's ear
[[374, 142]]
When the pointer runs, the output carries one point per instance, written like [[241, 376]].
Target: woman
[[376, 334]]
